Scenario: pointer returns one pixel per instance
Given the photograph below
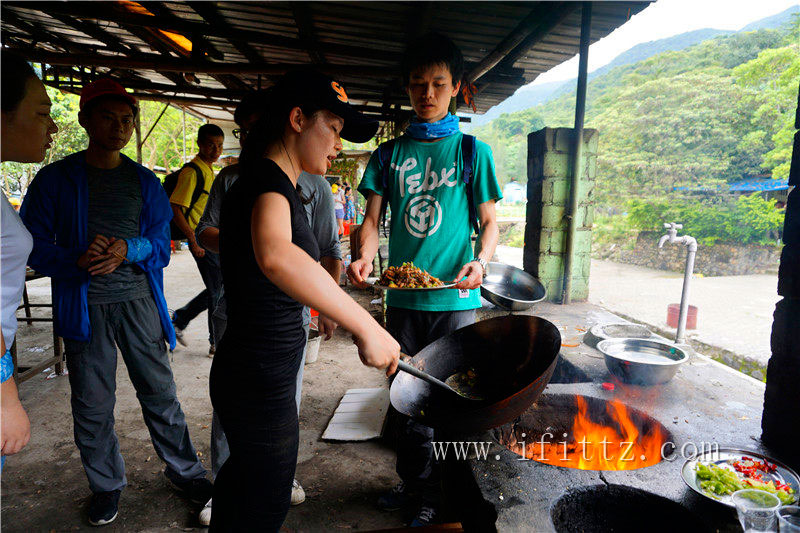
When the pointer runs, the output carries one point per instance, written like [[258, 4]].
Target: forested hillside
[[715, 112]]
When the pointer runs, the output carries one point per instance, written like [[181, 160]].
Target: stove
[[705, 404]]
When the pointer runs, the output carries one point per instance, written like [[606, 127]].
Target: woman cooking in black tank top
[[269, 270], [259, 311]]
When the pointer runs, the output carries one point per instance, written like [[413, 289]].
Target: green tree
[[770, 83]]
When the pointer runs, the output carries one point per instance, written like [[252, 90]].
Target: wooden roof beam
[[155, 44], [531, 30], [37, 33], [421, 18], [209, 13], [553, 18], [106, 12], [95, 32], [200, 45], [305, 30], [171, 64]]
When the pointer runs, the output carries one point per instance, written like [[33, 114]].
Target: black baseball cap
[[309, 86]]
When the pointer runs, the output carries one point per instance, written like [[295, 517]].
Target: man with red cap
[[100, 225]]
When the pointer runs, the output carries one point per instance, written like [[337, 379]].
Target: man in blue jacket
[[100, 224]]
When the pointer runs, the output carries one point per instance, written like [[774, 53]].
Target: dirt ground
[[44, 487]]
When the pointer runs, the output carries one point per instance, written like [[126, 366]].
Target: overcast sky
[[666, 18]]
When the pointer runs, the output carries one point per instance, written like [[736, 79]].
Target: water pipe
[[691, 245]]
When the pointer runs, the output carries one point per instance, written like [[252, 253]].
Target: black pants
[[209, 268], [780, 421], [414, 330], [253, 392]]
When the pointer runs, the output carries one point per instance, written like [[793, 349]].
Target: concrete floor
[[44, 487]]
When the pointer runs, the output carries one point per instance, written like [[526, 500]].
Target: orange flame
[[595, 446]]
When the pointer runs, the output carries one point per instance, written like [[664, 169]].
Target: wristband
[[6, 367]]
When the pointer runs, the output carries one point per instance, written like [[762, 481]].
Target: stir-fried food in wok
[[407, 276], [466, 384]]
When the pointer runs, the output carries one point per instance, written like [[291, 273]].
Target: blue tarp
[[760, 185], [753, 185]]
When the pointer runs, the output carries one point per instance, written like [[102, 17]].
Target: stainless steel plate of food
[[716, 473], [407, 277], [389, 288]]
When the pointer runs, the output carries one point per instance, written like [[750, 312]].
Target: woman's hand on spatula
[[378, 349]]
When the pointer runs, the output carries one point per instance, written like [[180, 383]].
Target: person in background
[[100, 227], [349, 206], [28, 131], [338, 198], [270, 270], [187, 215], [434, 233], [15, 202], [317, 201]]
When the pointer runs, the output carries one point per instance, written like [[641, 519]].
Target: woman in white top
[[27, 132]]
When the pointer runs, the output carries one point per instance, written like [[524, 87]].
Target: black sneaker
[[103, 507], [398, 498], [197, 490], [425, 516]]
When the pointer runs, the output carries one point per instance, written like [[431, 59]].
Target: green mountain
[[532, 95], [775, 21], [713, 112]]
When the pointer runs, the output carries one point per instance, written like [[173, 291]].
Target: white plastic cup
[[756, 509], [312, 346], [788, 519]]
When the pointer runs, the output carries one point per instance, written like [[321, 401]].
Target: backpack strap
[[199, 186], [385, 151], [468, 160]]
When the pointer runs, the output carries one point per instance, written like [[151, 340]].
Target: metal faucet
[[691, 245]]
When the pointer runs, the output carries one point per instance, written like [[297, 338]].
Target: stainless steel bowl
[[511, 288], [642, 361]]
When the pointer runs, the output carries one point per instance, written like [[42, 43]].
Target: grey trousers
[[219, 444], [134, 326]]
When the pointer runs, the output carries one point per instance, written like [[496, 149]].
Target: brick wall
[[549, 177]]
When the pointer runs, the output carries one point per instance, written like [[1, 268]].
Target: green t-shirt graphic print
[[430, 218]]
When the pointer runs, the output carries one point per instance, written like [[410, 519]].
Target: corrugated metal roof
[[237, 46]]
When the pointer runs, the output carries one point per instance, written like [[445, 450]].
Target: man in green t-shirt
[[431, 227]]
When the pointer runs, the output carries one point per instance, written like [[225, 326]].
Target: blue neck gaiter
[[433, 130]]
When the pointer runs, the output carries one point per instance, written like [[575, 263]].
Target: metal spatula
[[414, 371]]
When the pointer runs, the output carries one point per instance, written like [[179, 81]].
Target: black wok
[[513, 356]]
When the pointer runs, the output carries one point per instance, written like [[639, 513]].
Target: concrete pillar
[[549, 172]]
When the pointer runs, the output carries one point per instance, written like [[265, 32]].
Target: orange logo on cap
[[339, 91]]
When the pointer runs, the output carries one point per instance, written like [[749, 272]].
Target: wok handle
[[414, 371]]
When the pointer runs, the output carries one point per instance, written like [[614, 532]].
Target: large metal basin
[[511, 288], [642, 361]]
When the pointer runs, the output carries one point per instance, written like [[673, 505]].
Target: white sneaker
[[205, 514], [298, 494], [211, 351]]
